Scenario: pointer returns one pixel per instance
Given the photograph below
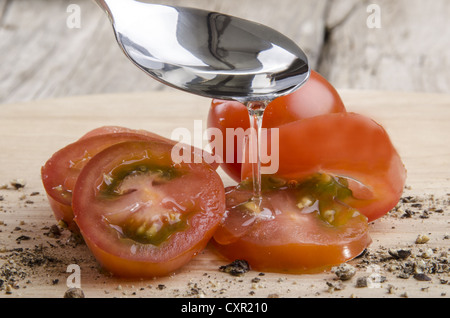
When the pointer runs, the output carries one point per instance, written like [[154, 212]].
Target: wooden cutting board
[[419, 125]]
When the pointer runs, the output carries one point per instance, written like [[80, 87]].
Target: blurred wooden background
[[41, 56]]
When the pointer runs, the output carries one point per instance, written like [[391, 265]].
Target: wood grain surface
[[36, 261], [42, 57]]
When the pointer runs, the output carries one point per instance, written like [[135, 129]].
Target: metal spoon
[[211, 54], [207, 53]]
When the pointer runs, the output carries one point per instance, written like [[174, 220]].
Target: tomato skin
[[63, 213], [316, 97], [140, 269], [125, 257], [106, 130], [294, 258]]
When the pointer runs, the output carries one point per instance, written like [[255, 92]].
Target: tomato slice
[[308, 222], [316, 97], [143, 215], [346, 145], [300, 227], [61, 171]]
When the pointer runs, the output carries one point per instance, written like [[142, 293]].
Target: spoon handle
[[107, 4], [110, 6], [102, 4]]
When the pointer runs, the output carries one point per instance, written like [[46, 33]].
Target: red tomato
[[362, 179], [315, 222], [143, 215], [347, 145], [61, 171], [301, 228], [315, 98]]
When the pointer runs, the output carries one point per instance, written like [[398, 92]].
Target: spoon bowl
[[207, 53]]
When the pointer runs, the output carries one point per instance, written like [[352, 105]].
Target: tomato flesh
[[300, 227], [143, 215], [144, 225]]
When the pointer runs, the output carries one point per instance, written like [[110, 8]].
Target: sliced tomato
[[143, 215], [300, 227], [307, 223], [61, 171], [316, 97], [347, 145]]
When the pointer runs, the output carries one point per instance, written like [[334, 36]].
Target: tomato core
[[124, 180]]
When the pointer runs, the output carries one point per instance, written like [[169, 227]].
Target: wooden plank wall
[[41, 57]]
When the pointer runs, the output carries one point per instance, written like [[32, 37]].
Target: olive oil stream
[[256, 113]]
